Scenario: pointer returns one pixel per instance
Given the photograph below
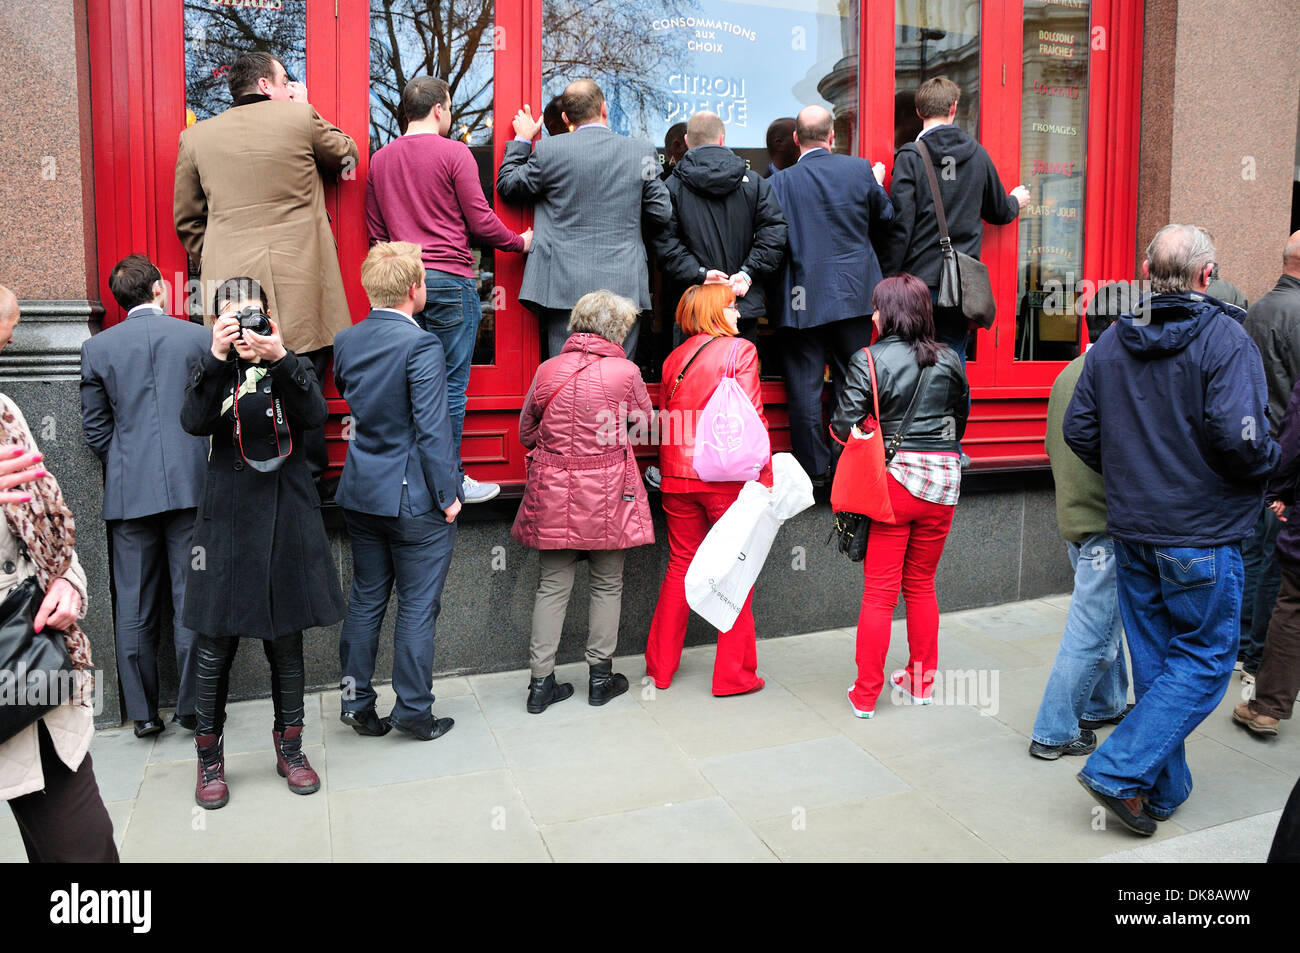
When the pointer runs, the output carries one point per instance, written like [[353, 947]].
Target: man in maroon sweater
[[424, 188]]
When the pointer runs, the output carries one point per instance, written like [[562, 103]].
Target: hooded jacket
[[972, 194], [725, 217], [1171, 410]]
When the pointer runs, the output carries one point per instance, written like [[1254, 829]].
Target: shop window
[[215, 35], [410, 38], [1053, 163], [660, 61]]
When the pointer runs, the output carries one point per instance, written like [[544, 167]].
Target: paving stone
[[1244, 841], [248, 728], [119, 759], [704, 830], [503, 696]]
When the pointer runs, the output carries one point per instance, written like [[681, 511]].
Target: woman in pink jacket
[[584, 491]]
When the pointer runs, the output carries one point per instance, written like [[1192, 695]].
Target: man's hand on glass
[[526, 127]]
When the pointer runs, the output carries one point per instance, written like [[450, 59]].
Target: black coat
[[941, 411], [725, 216], [972, 194], [262, 565], [1273, 323]]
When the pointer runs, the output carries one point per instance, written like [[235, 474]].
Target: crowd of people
[[212, 438]]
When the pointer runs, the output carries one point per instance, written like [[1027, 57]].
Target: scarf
[[45, 526]]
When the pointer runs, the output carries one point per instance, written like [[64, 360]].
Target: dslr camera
[[255, 320]]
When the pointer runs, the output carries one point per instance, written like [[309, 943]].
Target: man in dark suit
[[400, 492], [591, 190], [132, 385], [832, 204]]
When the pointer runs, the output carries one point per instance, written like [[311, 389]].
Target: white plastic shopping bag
[[729, 560]]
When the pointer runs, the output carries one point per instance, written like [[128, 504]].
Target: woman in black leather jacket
[[924, 482]]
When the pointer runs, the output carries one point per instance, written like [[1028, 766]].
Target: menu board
[[1053, 158]]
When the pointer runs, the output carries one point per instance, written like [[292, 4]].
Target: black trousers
[[807, 353], [313, 441], [215, 657], [66, 823]]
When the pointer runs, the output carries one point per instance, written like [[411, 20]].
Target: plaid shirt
[[928, 476]]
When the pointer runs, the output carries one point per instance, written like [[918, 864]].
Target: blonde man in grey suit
[[591, 192]]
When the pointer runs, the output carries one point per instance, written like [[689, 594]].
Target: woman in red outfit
[[706, 313], [924, 482]]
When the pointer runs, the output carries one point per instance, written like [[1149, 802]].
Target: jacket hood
[[1166, 324], [592, 343], [949, 140], [711, 170]]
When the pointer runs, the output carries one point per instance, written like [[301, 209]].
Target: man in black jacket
[[972, 194], [725, 219], [1273, 323]]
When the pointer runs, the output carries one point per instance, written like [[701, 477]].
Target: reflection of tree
[[611, 42], [451, 39], [215, 35]]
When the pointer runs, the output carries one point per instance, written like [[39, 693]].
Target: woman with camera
[[262, 567], [923, 397]]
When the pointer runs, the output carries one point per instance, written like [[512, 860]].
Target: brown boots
[[292, 764], [211, 792]]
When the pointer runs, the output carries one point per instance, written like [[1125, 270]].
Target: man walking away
[[133, 378], [399, 493], [1171, 410], [424, 188]]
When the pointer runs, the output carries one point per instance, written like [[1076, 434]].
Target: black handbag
[[964, 284], [36, 672]]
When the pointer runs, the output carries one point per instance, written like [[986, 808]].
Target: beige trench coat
[[70, 726], [249, 200]]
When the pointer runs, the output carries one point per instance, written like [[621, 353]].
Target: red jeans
[[689, 517], [904, 552]]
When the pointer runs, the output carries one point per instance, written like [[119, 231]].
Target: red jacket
[[584, 489], [679, 410]]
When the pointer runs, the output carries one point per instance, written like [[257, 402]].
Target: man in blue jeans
[[1171, 409], [424, 188], [1088, 686]]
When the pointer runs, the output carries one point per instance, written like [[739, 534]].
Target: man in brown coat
[[249, 201]]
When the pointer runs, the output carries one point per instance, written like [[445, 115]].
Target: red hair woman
[[707, 315]]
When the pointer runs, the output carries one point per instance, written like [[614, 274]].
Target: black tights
[[217, 655]]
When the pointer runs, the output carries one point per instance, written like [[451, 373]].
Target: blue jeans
[[1181, 607], [1090, 677], [1263, 582], [452, 312]]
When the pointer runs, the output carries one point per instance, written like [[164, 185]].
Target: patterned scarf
[[45, 526]]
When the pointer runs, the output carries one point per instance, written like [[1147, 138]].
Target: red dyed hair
[[701, 307]]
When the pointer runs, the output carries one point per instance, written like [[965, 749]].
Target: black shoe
[[1086, 743], [366, 722], [150, 726], [1129, 810], [426, 730], [545, 691], [605, 683], [188, 722], [1094, 725]]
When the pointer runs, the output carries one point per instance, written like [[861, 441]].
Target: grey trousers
[[606, 578]]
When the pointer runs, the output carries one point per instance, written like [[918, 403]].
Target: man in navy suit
[[832, 203], [400, 492], [133, 379]]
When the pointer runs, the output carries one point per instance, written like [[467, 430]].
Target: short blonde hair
[[389, 271], [604, 313]]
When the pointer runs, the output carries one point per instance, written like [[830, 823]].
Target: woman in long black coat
[[261, 567]]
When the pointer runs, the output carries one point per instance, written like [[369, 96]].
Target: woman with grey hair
[[584, 493]]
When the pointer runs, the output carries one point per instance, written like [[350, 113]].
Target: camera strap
[[253, 376]]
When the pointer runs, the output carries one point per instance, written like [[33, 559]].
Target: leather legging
[[216, 656]]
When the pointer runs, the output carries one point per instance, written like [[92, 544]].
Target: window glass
[[1053, 159], [216, 33], [660, 61], [451, 39]]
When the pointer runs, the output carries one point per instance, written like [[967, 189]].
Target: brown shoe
[[210, 791], [1259, 724], [291, 764]]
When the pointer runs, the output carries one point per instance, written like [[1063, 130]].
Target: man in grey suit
[[132, 385], [591, 191]]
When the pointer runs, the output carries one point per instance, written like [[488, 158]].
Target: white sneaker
[[1247, 678], [858, 711], [902, 684], [476, 492]]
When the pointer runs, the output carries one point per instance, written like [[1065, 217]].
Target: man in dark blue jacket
[[1171, 409], [400, 492], [832, 204]]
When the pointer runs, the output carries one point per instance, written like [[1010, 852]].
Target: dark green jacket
[[1080, 495]]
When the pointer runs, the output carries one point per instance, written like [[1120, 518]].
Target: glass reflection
[[215, 34]]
